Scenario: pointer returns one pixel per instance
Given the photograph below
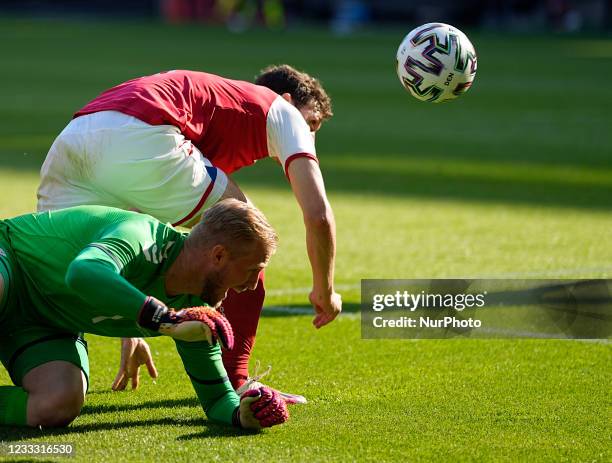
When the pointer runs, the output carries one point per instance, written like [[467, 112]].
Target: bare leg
[[232, 190], [56, 392]]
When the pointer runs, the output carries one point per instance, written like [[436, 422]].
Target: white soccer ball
[[436, 62]]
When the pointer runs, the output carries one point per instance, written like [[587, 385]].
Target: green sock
[[13, 406]]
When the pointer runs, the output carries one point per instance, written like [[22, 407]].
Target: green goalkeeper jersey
[[90, 268]]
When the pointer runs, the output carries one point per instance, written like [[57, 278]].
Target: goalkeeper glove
[[192, 324], [262, 408]]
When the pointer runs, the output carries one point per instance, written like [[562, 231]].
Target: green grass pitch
[[515, 178]]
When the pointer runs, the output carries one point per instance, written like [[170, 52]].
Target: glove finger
[[249, 397], [279, 414], [279, 418], [224, 331], [269, 408], [266, 397], [209, 322], [265, 412], [274, 420]]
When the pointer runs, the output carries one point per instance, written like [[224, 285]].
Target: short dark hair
[[303, 88]]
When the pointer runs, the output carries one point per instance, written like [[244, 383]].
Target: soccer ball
[[436, 62]]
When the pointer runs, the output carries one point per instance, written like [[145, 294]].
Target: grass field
[[515, 179]]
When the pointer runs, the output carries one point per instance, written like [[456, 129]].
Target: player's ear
[[220, 255], [287, 97]]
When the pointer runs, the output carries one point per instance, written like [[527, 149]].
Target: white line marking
[[289, 291], [302, 311]]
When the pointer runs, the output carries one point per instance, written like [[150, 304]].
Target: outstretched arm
[[309, 190], [204, 367]]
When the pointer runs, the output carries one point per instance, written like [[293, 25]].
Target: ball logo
[[436, 62]]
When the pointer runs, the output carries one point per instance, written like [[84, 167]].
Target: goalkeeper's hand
[[192, 324], [262, 408]]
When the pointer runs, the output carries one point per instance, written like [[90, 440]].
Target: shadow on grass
[[209, 429], [216, 430], [168, 403], [18, 434]]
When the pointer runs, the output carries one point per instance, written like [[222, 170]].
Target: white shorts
[[112, 159]]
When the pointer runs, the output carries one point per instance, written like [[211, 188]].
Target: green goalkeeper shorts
[[25, 341]]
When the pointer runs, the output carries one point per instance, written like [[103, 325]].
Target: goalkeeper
[[116, 273]]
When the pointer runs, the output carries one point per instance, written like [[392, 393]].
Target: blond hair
[[236, 225]]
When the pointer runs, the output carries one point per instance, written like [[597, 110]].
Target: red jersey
[[224, 118]]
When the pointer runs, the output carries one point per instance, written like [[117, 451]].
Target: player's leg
[[50, 377], [232, 190], [13, 400], [56, 392], [52, 395], [243, 311], [48, 368]]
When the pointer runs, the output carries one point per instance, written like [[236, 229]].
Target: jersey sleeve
[[288, 134], [95, 277], [204, 367], [100, 273]]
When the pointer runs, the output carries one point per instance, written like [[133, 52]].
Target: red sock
[[242, 311]]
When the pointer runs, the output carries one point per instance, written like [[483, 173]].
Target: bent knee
[[57, 409], [56, 392]]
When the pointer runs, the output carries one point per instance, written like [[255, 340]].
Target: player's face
[[312, 116], [213, 291], [239, 273]]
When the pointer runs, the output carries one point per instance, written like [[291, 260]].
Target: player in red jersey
[[165, 145]]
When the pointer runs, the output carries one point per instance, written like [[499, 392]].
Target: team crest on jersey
[[2, 253]]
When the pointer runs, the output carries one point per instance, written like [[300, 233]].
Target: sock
[[13, 406], [242, 311]]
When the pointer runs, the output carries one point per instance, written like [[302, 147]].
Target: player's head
[[235, 242], [300, 89]]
